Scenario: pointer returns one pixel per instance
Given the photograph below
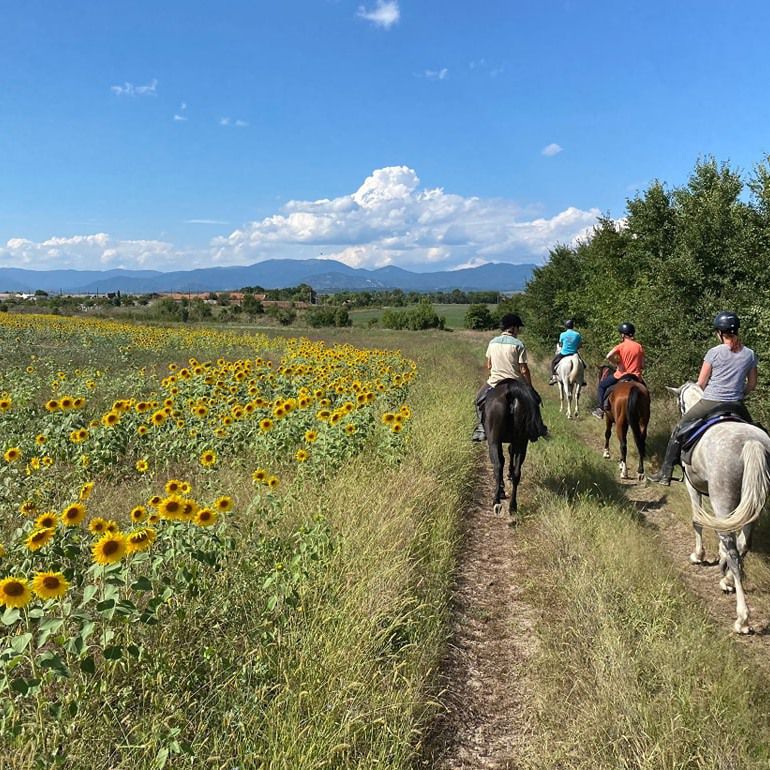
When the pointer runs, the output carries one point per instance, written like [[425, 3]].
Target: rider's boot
[[671, 458], [478, 433], [598, 413]]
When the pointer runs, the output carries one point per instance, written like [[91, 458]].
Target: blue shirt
[[570, 342]]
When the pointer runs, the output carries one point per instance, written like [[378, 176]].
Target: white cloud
[[181, 116], [129, 89], [95, 252], [551, 149], [385, 14], [436, 74], [391, 219], [226, 121]]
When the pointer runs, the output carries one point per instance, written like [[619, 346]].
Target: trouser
[[602, 388], [558, 357]]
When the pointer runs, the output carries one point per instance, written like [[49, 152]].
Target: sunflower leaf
[[87, 665], [88, 593], [20, 642], [10, 616]]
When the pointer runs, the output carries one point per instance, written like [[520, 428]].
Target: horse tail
[[634, 414], [532, 421], [755, 488]]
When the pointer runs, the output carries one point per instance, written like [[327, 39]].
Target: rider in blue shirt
[[569, 344]]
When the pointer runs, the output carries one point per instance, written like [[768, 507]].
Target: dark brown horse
[[629, 407], [511, 416]]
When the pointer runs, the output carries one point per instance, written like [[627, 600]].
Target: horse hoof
[[498, 507], [695, 559], [742, 628], [726, 587], [606, 454], [640, 477]]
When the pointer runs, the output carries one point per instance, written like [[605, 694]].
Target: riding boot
[[671, 458], [478, 433]]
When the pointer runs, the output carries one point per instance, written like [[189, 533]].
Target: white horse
[[570, 372], [729, 465]]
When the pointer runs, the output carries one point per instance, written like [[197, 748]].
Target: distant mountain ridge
[[324, 275]]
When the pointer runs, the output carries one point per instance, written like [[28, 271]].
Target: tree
[[479, 317]]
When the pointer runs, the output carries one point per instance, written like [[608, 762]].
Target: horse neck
[[690, 395]]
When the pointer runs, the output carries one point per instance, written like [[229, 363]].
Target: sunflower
[[52, 405], [185, 488], [208, 458], [79, 402], [5, 403], [397, 427], [86, 489], [110, 548], [97, 525], [140, 540], [41, 439], [141, 430], [273, 482], [265, 424], [350, 429], [138, 514], [2, 550], [154, 501], [159, 417], [388, 418], [12, 454], [223, 504], [206, 517], [142, 466], [111, 419], [14, 592], [50, 585], [47, 520], [153, 518], [73, 514], [259, 475], [301, 455], [323, 415], [311, 436], [27, 508], [38, 538], [173, 486], [112, 526], [171, 507], [335, 418]]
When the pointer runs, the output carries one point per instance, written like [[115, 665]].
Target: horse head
[[687, 395]]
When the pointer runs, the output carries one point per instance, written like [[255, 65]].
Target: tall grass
[[630, 671]]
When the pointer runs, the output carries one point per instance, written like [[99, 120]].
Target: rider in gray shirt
[[728, 374]]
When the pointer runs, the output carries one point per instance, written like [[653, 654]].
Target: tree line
[[677, 257]]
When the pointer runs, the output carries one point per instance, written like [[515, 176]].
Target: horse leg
[[744, 540], [517, 460], [698, 556], [576, 396], [621, 431], [498, 463], [735, 567], [561, 397], [607, 434]]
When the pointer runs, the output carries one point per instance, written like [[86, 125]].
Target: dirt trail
[[484, 724]]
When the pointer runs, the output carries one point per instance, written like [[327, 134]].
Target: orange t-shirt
[[631, 356]]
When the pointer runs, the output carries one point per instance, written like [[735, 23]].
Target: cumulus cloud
[[385, 14], [440, 74], [391, 220], [129, 89], [551, 149], [94, 252]]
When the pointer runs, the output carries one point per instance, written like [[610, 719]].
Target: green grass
[[454, 314]]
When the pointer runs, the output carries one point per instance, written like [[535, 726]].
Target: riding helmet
[[627, 328], [509, 320], [569, 324], [727, 321]]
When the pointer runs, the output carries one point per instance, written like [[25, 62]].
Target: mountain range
[[324, 275]]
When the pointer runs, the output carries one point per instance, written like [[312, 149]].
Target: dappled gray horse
[[729, 465]]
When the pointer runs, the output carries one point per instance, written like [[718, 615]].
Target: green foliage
[[678, 257], [328, 316], [479, 317], [416, 318]]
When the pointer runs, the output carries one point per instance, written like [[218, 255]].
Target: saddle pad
[[693, 435]]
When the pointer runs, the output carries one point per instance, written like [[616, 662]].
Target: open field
[[454, 314], [305, 627]]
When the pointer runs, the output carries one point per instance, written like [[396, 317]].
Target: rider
[[628, 357], [506, 360], [727, 375], [569, 344]]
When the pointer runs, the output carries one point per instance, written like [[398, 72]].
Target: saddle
[[624, 378], [691, 433]]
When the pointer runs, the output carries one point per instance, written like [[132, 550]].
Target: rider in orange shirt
[[628, 357]]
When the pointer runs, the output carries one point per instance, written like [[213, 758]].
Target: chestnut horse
[[629, 407], [511, 416]]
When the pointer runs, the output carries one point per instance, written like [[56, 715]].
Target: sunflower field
[[143, 469]]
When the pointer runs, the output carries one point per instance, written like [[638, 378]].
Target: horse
[[729, 465], [629, 406], [511, 416], [569, 375]]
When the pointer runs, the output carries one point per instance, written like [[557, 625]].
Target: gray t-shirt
[[728, 373]]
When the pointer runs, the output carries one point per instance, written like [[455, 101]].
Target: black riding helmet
[[627, 328], [509, 320], [727, 321], [569, 324]]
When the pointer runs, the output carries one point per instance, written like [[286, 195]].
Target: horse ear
[[675, 391]]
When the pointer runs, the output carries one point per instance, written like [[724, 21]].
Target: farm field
[[454, 314], [230, 549]]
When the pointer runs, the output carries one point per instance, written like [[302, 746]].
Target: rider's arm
[[751, 381], [524, 369], [489, 362], [705, 375], [613, 357]]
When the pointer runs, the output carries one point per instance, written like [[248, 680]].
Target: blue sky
[[427, 134]]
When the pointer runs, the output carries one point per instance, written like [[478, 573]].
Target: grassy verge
[[630, 671]]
